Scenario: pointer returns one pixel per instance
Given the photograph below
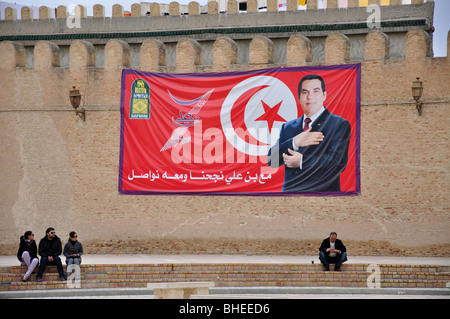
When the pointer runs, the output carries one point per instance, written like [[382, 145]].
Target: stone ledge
[[181, 285]]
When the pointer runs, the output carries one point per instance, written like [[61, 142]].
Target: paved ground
[[240, 293], [263, 293], [223, 259], [263, 297]]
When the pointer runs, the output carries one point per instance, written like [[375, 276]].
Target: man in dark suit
[[332, 251], [314, 147]]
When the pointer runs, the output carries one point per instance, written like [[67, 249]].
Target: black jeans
[[44, 262], [338, 260]]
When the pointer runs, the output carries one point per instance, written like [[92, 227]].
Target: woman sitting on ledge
[[27, 253]]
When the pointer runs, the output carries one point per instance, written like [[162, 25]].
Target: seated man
[[332, 251], [50, 248]]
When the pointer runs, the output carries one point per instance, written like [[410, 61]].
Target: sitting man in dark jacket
[[50, 248], [332, 251]]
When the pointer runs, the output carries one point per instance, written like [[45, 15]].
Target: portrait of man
[[314, 147]]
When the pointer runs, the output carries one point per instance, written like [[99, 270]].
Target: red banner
[[241, 132]]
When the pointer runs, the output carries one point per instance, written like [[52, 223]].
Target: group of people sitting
[[50, 248], [332, 250]]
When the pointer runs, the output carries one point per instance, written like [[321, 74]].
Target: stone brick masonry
[[56, 170], [229, 275]]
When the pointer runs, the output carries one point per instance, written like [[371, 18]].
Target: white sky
[[441, 13]]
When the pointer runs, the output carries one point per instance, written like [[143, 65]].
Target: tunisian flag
[[210, 133]]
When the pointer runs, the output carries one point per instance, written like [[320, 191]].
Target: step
[[229, 275], [281, 278], [5, 277], [231, 282], [233, 267], [272, 274]]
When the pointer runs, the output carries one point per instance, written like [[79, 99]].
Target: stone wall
[[315, 24], [57, 170], [155, 9]]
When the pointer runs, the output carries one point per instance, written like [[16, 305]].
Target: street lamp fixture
[[75, 100], [417, 90]]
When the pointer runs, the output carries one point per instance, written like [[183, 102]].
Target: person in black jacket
[[332, 251], [50, 248], [73, 250], [27, 253]]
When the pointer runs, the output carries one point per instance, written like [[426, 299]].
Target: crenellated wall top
[[225, 53], [171, 22], [194, 8]]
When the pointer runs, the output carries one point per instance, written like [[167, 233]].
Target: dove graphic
[[185, 120]]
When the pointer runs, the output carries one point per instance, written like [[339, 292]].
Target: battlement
[[194, 8], [148, 16], [279, 26], [99, 48], [224, 54]]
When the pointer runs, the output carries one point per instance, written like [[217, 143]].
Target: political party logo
[[254, 111], [185, 121], [140, 100]]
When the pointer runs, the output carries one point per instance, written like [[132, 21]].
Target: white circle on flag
[[274, 91]]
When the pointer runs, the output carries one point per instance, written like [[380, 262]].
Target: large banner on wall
[[281, 131]]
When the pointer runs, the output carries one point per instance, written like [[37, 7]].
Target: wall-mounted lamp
[[75, 100], [417, 90]]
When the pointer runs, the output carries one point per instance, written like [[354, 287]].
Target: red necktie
[[307, 121]]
